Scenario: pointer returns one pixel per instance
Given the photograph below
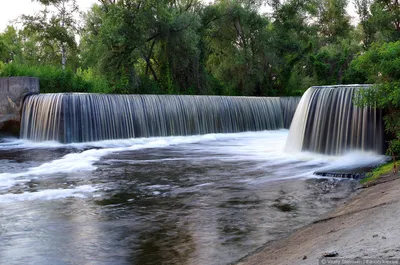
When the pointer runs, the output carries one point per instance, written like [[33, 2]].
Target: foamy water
[[206, 199], [266, 148]]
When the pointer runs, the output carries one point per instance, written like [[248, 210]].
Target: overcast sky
[[11, 9]]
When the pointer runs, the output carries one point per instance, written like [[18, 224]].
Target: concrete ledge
[[13, 91]]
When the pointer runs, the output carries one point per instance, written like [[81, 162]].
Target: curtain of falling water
[[92, 117], [326, 121], [289, 105]]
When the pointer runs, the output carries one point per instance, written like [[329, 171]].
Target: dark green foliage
[[332, 61], [381, 65], [187, 47], [53, 32], [55, 80], [224, 48]]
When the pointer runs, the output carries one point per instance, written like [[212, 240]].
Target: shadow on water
[[169, 243]]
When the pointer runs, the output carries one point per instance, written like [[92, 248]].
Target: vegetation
[[380, 65], [54, 80], [378, 172], [227, 47], [189, 47]]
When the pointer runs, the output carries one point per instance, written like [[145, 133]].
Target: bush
[[381, 65], [55, 80]]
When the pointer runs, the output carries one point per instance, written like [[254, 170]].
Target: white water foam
[[51, 194], [85, 160], [267, 148]]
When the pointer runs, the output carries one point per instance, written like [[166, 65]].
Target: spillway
[[74, 117], [327, 121]]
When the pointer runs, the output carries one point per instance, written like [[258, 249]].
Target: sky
[[12, 9]]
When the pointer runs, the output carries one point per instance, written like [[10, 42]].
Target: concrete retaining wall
[[13, 90]]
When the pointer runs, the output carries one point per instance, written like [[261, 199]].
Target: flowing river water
[[207, 199]]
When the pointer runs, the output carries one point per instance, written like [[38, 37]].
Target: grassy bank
[[378, 172]]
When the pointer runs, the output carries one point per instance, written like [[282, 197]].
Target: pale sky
[[12, 9]]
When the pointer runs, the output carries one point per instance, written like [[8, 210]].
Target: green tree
[[294, 40], [331, 62], [56, 29], [10, 46], [237, 48], [381, 65], [385, 16], [140, 41], [363, 11], [334, 22]]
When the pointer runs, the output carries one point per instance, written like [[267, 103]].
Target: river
[[207, 199]]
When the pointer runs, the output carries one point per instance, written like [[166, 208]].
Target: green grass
[[377, 172]]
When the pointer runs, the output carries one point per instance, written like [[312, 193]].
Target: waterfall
[[326, 121], [76, 117], [289, 106]]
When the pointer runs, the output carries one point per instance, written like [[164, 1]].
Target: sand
[[366, 226]]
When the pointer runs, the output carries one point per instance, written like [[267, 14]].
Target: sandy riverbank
[[367, 226]]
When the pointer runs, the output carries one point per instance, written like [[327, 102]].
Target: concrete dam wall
[[13, 91]]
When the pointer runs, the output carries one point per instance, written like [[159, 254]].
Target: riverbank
[[366, 226]]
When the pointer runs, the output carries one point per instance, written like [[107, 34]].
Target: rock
[[13, 91], [305, 257], [383, 237], [285, 207], [376, 235], [330, 254]]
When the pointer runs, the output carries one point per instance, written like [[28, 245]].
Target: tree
[[10, 46], [386, 19], [333, 20], [236, 38], [55, 27], [363, 11], [331, 62], [381, 65], [146, 41], [294, 40]]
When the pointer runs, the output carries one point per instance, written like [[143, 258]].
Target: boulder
[[13, 91]]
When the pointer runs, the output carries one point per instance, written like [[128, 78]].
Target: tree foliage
[[227, 47], [189, 47], [53, 30], [380, 65]]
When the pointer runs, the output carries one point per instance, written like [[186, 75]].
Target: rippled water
[[174, 200]]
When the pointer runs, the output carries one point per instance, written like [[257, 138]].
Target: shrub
[[55, 80], [381, 65]]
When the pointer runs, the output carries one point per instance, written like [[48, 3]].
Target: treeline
[[189, 47]]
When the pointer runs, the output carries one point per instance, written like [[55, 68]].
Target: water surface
[[171, 200]]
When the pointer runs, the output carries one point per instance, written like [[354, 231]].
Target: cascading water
[[289, 106], [326, 121], [93, 117], [206, 195]]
